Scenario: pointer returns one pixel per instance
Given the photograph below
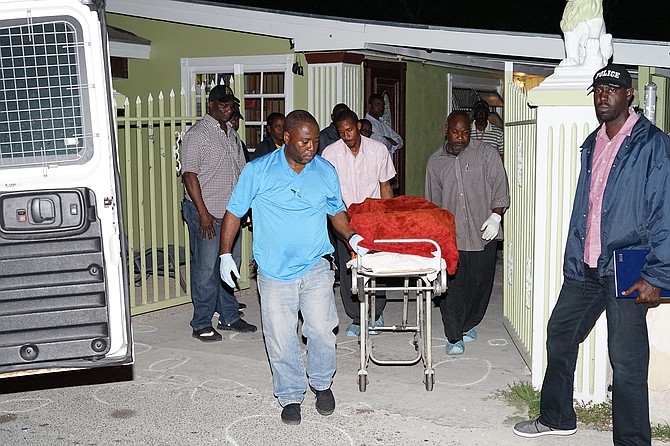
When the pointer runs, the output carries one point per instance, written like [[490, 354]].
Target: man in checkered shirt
[[212, 160]]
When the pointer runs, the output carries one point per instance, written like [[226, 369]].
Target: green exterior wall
[[300, 90], [172, 41], [427, 94], [425, 109]]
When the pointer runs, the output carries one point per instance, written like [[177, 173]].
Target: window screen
[[43, 94]]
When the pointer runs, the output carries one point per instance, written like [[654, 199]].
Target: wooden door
[[388, 80]]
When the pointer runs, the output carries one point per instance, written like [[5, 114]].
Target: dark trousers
[[465, 303], [349, 300], [578, 307]]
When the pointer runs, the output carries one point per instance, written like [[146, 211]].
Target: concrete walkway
[[184, 392]]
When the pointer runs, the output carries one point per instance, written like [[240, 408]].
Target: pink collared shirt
[[603, 157], [360, 176]]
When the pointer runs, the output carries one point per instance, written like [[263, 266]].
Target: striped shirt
[[216, 158], [491, 134]]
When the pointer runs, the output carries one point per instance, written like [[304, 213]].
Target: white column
[[330, 84], [565, 116]]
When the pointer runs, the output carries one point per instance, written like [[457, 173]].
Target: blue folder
[[627, 266]]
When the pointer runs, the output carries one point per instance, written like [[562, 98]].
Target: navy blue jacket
[[328, 136], [635, 208]]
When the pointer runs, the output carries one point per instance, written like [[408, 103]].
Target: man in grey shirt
[[469, 180]]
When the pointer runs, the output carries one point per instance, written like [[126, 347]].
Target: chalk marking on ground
[[153, 367], [43, 402], [204, 385], [144, 329], [143, 348], [233, 337], [486, 375], [230, 438]]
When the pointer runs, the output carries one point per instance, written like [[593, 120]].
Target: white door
[[63, 284]]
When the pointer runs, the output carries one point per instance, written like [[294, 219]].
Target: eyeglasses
[[600, 89]]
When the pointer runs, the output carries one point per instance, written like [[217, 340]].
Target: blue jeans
[[208, 292], [578, 307], [312, 296]]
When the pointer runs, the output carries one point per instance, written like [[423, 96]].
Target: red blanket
[[406, 217]]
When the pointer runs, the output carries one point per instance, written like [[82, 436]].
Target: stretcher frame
[[429, 282]]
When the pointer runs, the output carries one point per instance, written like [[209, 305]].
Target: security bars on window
[[43, 95]]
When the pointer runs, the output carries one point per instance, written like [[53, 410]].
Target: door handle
[[42, 210]]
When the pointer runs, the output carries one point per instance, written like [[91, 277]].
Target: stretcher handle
[[413, 240]]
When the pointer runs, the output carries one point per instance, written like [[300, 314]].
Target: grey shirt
[[469, 185]]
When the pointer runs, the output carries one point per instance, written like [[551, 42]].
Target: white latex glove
[[354, 240], [227, 269], [491, 227]]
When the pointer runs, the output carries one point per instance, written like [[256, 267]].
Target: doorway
[[388, 80]]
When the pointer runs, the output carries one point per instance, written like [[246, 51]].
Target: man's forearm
[[229, 230], [340, 223], [385, 189]]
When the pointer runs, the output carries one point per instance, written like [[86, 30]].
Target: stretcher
[[424, 277]]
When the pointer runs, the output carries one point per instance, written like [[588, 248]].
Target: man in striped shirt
[[482, 130]]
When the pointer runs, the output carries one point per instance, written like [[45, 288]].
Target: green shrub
[[590, 415]]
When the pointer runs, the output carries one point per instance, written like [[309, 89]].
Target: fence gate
[[520, 151], [149, 136]]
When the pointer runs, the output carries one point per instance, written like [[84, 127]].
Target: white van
[[63, 275]]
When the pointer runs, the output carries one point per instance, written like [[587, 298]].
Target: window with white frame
[[267, 86]]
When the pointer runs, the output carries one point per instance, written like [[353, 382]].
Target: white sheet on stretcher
[[391, 264]]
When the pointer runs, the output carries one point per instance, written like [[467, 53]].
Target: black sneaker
[[325, 401], [239, 326], [242, 306], [290, 414], [207, 334]]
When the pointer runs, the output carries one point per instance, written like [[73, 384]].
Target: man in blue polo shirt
[[292, 192]]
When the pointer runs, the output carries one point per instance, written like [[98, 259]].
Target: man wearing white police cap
[[621, 202]]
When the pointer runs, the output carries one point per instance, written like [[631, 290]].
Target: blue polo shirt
[[289, 212]]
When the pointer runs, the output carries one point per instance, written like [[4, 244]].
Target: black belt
[[331, 260], [593, 272]]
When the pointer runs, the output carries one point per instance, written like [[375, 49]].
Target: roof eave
[[312, 33]]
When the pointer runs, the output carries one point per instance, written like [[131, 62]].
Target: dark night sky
[[625, 19]]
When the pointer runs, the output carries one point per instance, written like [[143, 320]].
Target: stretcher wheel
[[430, 380], [362, 383]]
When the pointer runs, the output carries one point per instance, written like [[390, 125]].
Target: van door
[[63, 283]]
